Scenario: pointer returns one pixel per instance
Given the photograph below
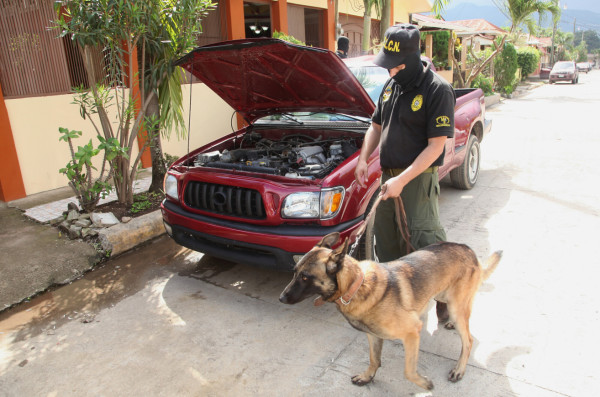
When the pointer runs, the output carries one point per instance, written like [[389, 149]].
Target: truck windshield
[[301, 118], [372, 78], [561, 66]]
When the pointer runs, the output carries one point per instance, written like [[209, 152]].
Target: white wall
[[211, 119], [35, 122]]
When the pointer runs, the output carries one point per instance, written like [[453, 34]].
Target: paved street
[[166, 321]]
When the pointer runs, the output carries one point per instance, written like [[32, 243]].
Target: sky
[[581, 14], [590, 5]]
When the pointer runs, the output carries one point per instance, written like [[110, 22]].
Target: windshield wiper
[[291, 118], [355, 118]]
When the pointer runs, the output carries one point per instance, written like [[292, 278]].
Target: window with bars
[[35, 62]]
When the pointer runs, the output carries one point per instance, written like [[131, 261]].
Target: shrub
[[506, 66], [485, 83], [528, 59], [288, 38], [440, 48], [87, 187]]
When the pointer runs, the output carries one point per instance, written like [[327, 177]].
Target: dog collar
[[347, 297]]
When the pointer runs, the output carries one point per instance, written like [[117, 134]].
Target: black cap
[[400, 41]]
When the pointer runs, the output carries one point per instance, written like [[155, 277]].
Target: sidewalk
[[35, 256]]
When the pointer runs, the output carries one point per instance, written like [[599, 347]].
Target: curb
[[491, 100], [125, 236]]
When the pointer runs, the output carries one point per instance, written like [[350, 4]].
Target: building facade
[[38, 71]]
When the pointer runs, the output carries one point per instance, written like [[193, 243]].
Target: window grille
[[35, 62], [32, 60]]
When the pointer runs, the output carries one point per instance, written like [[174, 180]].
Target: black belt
[[398, 171]]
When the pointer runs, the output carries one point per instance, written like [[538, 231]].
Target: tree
[[384, 9], [579, 53], [563, 40], [590, 37], [438, 7], [555, 21], [519, 12], [366, 41], [386, 17], [173, 27], [117, 27]]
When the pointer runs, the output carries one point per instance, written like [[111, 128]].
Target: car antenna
[[190, 117], [233, 129]]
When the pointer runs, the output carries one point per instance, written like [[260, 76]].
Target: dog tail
[[490, 264]]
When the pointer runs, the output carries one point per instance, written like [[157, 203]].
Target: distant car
[[564, 71], [545, 72], [584, 66]]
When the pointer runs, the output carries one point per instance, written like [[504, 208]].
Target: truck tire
[[366, 246], [465, 176]]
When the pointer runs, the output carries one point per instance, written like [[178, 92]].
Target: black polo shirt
[[408, 118]]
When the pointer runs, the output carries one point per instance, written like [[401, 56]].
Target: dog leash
[[400, 219], [402, 224]]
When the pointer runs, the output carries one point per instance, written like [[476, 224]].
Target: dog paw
[[428, 384], [361, 380], [449, 325], [455, 375]]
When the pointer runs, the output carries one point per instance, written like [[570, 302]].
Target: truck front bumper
[[266, 246]]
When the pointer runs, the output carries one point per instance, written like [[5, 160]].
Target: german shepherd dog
[[386, 300]]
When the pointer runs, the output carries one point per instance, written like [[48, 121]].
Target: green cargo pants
[[420, 199]]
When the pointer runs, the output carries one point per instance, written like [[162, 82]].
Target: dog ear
[[336, 258], [329, 241]]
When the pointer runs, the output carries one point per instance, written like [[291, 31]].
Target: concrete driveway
[[166, 321]]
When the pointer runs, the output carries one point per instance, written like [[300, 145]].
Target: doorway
[[257, 20]]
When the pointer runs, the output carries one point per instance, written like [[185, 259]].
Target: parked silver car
[[584, 66], [564, 71]]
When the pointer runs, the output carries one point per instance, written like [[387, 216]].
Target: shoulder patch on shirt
[[442, 121], [417, 102], [387, 93]]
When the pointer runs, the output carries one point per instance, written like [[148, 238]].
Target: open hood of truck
[[259, 77]]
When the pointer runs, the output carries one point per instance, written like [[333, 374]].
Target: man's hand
[[361, 173], [392, 187]]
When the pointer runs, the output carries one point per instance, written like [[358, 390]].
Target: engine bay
[[292, 156]]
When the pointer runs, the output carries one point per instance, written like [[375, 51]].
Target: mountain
[[581, 14]]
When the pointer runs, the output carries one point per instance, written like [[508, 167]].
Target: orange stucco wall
[[11, 180]]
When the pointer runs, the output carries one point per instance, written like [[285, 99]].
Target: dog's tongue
[[319, 301]]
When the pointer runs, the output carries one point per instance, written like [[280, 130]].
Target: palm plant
[[165, 30], [369, 4], [519, 12], [383, 9], [173, 27]]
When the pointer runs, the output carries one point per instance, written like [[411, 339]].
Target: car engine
[[292, 156]]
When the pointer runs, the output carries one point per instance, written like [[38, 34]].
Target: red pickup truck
[[266, 194]]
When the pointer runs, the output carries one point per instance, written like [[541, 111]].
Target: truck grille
[[227, 200]]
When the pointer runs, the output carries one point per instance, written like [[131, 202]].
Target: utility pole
[[552, 48]]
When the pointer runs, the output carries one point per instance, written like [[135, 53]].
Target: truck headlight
[[171, 187], [301, 205], [324, 204]]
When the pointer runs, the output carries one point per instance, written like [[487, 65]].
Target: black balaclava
[[343, 44], [412, 71]]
